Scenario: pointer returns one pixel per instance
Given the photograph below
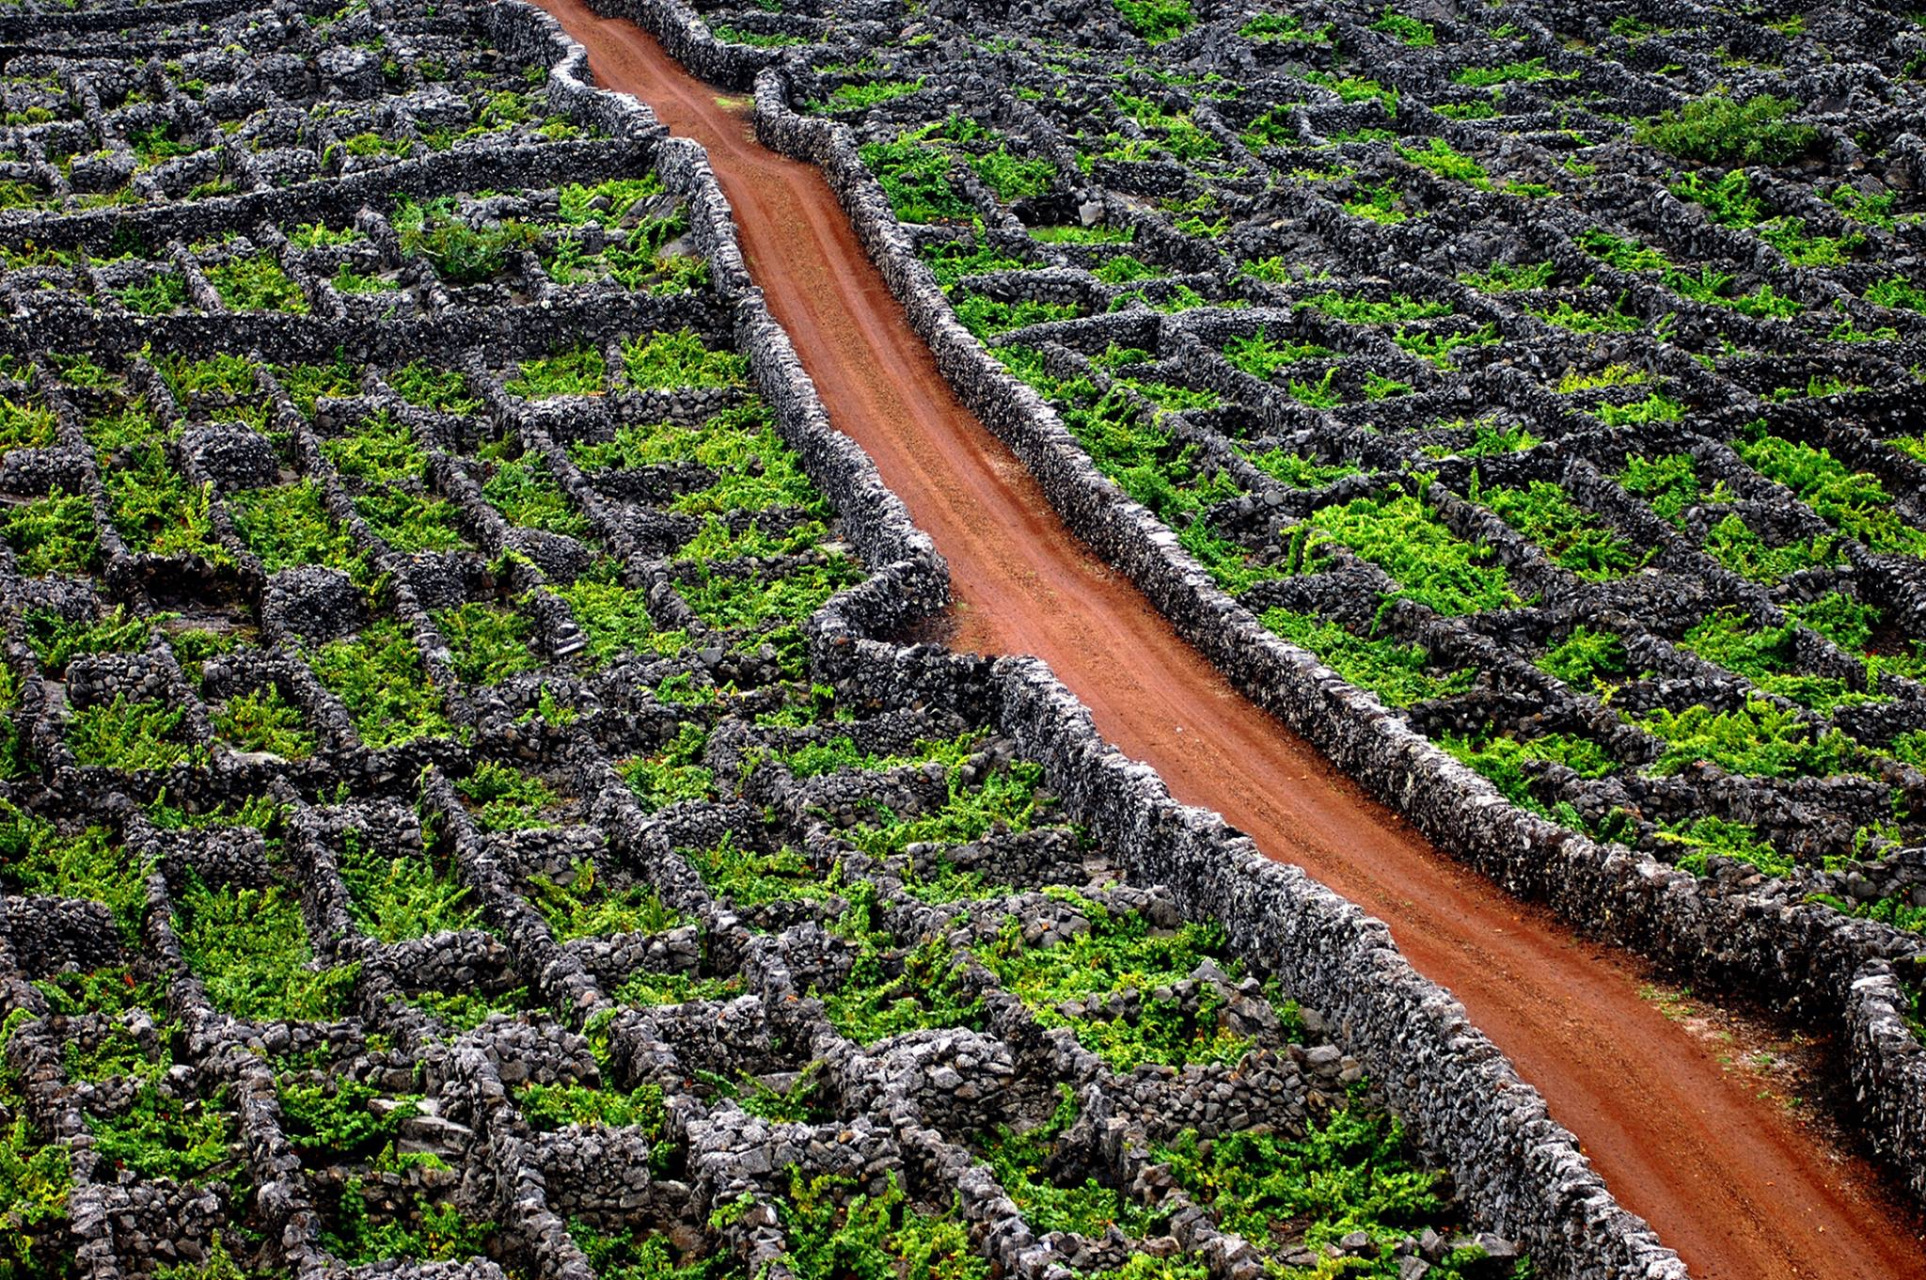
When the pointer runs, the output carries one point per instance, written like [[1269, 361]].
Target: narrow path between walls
[[1724, 1176]]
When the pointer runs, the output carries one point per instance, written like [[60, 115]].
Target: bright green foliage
[[378, 675], [1409, 31], [818, 758], [556, 1106], [1570, 535], [1503, 277], [1526, 72], [1588, 660], [1897, 292], [56, 641], [333, 1119], [889, 993], [644, 988], [443, 1235], [161, 1136], [1503, 761], [1405, 538], [1711, 836], [408, 521], [1013, 177], [1354, 1173], [951, 260], [1656, 407], [986, 317], [614, 618], [674, 774], [156, 510], [861, 97], [752, 878], [1734, 544], [1854, 501], [1766, 656], [578, 371], [1716, 129], [220, 374], [1156, 20], [833, 1233], [584, 907], [1006, 799], [1436, 346], [624, 1256], [487, 643], [127, 734], [1355, 309], [160, 294], [1670, 483], [54, 534], [1268, 28], [1261, 355], [446, 390], [916, 178], [528, 496], [1120, 953], [670, 360], [24, 426], [264, 720], [36, 859], [462, 254], [35, 1177], [289, 525], [506, 799], [1439, 157], [257, 283], [307, 383], [752, 601], [1022, 1162], [249, 948], [378, 449], [1758, 740], [1396, 673], [394, 899], [1298, 471]]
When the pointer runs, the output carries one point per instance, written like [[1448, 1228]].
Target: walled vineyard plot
[[435, 839], [1548, 371]]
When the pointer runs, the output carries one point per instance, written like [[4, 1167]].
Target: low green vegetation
[[250, 949], [378, 676]]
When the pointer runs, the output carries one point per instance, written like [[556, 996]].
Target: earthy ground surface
[[1711, 1159]]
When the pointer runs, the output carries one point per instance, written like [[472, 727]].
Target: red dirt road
[[1725, 1177]]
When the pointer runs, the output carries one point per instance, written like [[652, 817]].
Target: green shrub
[[463, 255], [1573, 537], [393, 899], [487, 643], [578, 371], [54, 534], [35, 858], [378, 676], [584, 908], [528, 497], [1156, 21], [257, 283], [1716, 129], [250, 949], [1404, 537], [128, 734], [264, 721], [1407, 31], [674, 774], [1120, 953], [378, 449], [289, 525], [666, 361], [915, 176], [1758, 740], [1709, 836], [161, 1136], [411, 521], [1397, 673], [1855, 502]]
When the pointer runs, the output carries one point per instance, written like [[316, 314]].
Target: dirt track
[[1725, 1177]]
